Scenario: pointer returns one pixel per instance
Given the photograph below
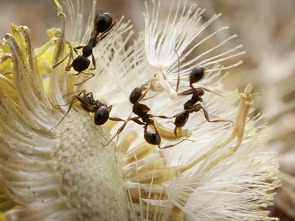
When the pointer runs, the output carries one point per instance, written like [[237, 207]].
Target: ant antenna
[[178, 75]]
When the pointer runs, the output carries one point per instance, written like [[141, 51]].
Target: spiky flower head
[[60, 170]]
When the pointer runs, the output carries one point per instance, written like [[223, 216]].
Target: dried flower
[[65, 173]]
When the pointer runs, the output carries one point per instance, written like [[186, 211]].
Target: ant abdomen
[[81, 63], [197, 74], [103, 22], [152, 137], [181, 119], [101, 116]]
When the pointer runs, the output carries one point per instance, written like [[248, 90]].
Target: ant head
[[103, 22], [152, 137], [135, 95], [196, 74], [101, 115], [81, 63]]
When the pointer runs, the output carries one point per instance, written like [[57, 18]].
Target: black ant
[[141, 110], [103, 24], [101, 111], [190, 106]]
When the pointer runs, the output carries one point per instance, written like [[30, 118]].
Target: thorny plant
[[53, 163]]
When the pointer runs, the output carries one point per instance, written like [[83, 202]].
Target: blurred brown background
[[266, 28]]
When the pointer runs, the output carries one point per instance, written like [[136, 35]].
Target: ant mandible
[[102, 25], [190, 106], [101, 111]]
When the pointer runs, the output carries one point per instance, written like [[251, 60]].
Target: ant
[[141, 110], [101, 111], [103, 24], [190, 106]]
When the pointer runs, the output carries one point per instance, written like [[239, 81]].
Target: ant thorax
[[87, 50]]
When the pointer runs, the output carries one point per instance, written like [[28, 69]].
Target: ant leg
[[78, 48], [122, 127], [135, 120], [144, 94], [86, 95], [178, 75], [92, 75], [93, 62], [70, 53], [187, 92], [118, 131], [208, 119], [148, 98], [172, 145], [117, 119], [76, 73], [160, 116], [74, 99], [62, 105], [54, 66], [205, 89], [68, 68]]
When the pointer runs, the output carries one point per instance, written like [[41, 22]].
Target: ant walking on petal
[[103, 24], [101, 111], [191, 105]]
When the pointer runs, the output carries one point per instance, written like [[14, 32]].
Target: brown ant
[[103, 24], [190, 106], [101, 111]]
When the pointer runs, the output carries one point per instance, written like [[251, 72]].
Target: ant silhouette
[[191, 105], [144, 118], [102, 25], [101, 111]]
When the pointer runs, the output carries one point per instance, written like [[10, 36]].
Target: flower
[[54, 165]]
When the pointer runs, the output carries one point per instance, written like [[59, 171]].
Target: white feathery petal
[[169, 45]]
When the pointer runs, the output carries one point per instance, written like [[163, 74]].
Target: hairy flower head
[[53, 169]]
